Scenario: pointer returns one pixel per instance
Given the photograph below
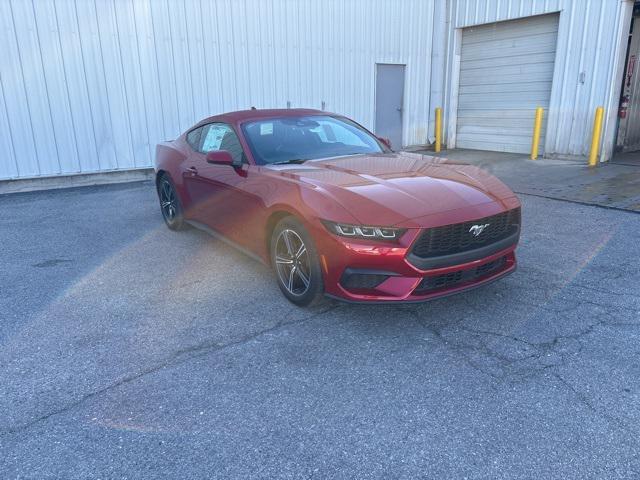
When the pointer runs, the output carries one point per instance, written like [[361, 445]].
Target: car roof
[[257, 114]]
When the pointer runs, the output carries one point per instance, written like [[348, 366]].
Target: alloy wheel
[[292, 262], [168, 200]]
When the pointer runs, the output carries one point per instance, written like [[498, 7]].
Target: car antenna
[[253, 108]]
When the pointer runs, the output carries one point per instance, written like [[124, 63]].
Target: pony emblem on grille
[[478, 229]]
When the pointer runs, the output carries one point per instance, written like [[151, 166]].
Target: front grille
[[441, 281], [452, 279], [362, 280], [489, 267], [457, 237]]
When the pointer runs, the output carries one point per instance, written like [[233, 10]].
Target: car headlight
[[364, 232]]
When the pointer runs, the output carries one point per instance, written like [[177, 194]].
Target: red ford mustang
[[334, 211]]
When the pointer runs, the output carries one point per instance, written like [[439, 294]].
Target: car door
[[197, 189], [225, 202]]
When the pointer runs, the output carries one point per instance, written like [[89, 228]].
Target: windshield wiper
[[296, 161]]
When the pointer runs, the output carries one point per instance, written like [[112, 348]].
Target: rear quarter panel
[[170, 156]]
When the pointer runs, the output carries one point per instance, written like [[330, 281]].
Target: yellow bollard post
[[438, 129], [595, 137], [537, 126]]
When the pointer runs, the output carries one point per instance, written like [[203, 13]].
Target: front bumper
[[385, 273]]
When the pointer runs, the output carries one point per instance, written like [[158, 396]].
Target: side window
[[220, 136], [212, 138], [193, 138]]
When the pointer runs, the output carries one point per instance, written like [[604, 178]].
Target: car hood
[[403, 189]]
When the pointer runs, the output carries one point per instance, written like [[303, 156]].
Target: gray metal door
[[389, 101]]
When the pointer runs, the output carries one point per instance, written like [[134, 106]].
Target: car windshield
[[297, 139]]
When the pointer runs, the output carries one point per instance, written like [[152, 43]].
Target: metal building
[[92, 85], [588, 40]]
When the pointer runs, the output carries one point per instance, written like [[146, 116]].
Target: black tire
[[291, 267], [170, 205]]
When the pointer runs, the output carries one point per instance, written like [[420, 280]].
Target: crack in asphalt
[[503, 372], [587, 403], [578, 202], [177, 358], [606, 292]]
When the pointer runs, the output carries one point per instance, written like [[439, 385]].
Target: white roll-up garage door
[[506, 71]]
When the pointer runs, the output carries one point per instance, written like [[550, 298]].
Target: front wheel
[[295, 261]]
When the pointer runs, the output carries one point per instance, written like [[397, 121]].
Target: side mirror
[[386, 141], [220, 157]]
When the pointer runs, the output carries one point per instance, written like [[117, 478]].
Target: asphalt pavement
[[130, 351]]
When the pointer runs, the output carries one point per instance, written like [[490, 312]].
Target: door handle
[[192, 170]]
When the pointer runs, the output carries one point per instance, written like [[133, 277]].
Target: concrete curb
[[77, 180]]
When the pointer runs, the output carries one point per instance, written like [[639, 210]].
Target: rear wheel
[[296, 264], [170, 204]]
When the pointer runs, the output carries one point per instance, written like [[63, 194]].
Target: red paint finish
[[389, 189]]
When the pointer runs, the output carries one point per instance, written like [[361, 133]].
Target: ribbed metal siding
[[93, 85], [591, 39], [506, 70]]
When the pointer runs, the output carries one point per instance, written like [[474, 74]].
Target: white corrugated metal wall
[[91, 85], [592, 37]]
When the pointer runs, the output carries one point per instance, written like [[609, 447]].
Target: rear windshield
[[279, 140]]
